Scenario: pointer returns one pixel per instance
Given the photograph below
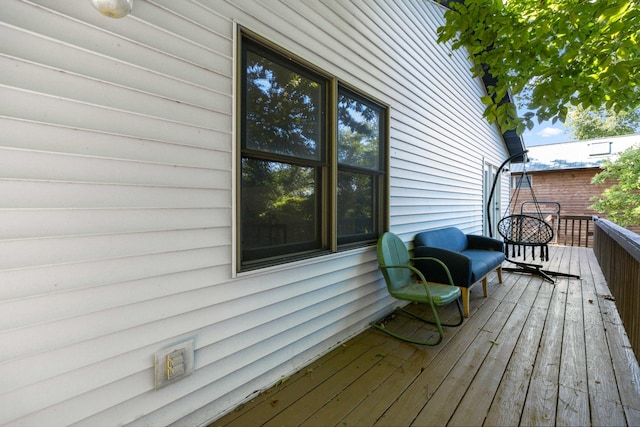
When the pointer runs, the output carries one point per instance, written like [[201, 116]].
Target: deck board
[[531, 353], [540, 404], [475, 404]]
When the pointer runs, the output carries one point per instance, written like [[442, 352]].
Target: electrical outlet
[[173, 363]]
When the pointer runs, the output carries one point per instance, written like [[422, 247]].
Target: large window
[[312, 165]]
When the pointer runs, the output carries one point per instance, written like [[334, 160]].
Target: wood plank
[[414, 397], [477, 400], [604, 398], [450, 390], [327, 390], [352, 395], [516, 288], [625, 366], [625, 362], [381, 399], [508, 403], [541, 402], [573, 399], [284, 393]]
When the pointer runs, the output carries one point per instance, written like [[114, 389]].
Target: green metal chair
[[407, 283]]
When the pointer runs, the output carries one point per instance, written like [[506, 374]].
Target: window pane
[[355, 205], [283, 111], [358, 132], [279, 209]]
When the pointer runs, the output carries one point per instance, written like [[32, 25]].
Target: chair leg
[[499, 270], [437, 322], [381, 327], [459, 312], [465, 301], [484, 286]]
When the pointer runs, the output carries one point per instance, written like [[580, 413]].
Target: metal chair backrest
[[392, 251]]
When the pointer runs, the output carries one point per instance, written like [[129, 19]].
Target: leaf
[[282, 381], [487, 100]]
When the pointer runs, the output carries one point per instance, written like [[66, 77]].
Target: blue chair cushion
[[482, 262]]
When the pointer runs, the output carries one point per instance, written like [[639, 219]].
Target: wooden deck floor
[[532, 353]]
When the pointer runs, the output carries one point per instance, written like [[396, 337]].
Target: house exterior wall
[[571, 188], [117, 156]]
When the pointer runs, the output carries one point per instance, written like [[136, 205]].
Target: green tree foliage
[[599, 123], [621, 201], [560, 53]]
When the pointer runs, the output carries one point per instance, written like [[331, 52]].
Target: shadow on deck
[[532, 353]]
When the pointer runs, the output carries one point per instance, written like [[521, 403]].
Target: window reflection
[[279, 208], [358, 133], [355, 204], [283, 111]]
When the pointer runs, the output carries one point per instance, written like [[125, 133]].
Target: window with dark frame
[[312, 167]]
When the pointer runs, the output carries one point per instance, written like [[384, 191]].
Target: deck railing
[[572, 230], [576, 230], [618, 252]]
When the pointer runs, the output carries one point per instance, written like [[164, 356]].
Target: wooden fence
[[618, 253]]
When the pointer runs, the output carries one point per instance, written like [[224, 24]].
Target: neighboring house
[[562, 173], [215, 172]]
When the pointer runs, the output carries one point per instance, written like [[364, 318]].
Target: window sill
[[312, 260]]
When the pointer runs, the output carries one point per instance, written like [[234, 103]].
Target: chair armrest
[[441, 263], [458, 265], [421, 278], [483, 242], [407, 266], [414, 270]]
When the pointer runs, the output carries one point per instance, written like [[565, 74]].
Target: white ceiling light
[[113, 8]]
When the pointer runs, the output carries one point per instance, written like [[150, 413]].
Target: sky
[[546, 133]]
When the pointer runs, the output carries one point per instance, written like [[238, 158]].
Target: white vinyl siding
[[117, 153]]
